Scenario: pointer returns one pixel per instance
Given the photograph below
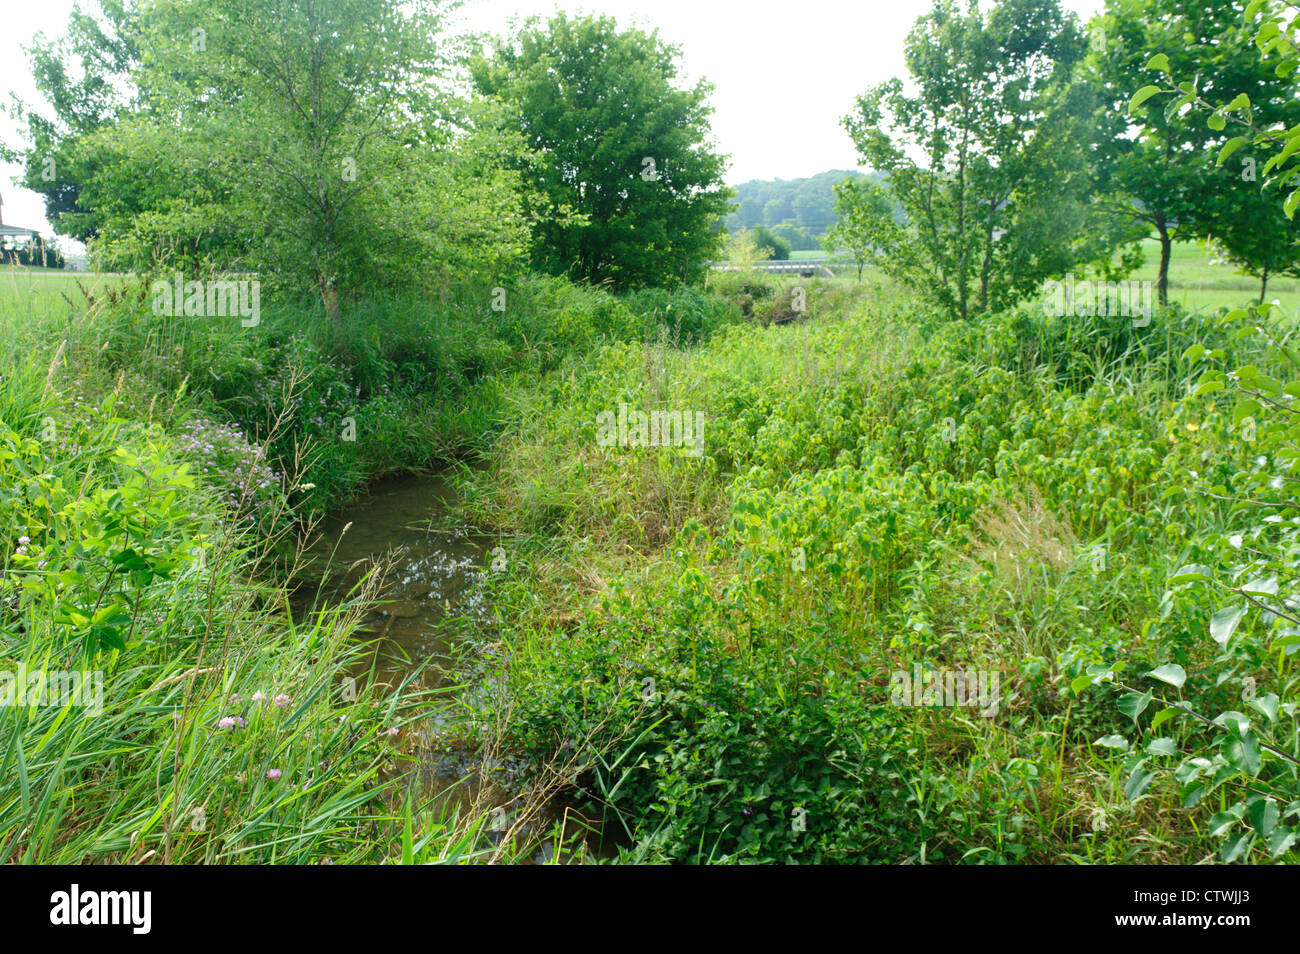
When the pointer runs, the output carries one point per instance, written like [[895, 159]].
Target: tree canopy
[[624, 186]]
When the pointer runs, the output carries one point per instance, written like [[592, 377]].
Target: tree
[[623, 187], [1260, 240], [1247, 768], [1159, 164], [990, 160], [87, 78], [865, 223], [811, 199], [778, 249], [310, 142]]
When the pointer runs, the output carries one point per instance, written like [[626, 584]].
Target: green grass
[[716, 635], [1198, 285]]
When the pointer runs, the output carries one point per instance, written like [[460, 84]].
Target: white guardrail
[[807, 268]]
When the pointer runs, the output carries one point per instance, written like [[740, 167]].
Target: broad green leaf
[[1193, 572], [1141, 96], [1162, 747], [1242, 753], [1233, 848], [1079, 683], [1266, 704], [1138, 783], [1132, 704], [1263, 813], [1280, 841], [1171, 673], [1220, 823], [1233, 721], [1163, 716], [1224, 623]]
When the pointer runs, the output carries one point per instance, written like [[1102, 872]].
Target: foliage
[[209, 729], [866, 224], [635, 205], [345, 166], [807, 203], [989, 161], [1164, 175], [778, 249]]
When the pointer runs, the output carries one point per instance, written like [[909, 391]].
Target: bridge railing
[[794, 265]]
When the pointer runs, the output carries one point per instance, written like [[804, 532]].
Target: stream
[[433, 619]]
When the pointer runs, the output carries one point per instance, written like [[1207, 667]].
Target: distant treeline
[[797, 210]]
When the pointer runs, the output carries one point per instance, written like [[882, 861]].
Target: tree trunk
[[329, 296], [1162, 283], [1263, 284]]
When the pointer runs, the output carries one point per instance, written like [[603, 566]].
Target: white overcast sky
[[784, 72]]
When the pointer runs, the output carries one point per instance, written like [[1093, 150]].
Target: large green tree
[[310, 141], [1159, 159], [989, 157], [1259, 239], [623, 186], [865, 224]]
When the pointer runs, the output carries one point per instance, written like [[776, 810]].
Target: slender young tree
[[990, 158]]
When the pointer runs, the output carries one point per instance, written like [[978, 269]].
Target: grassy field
[[1193, 282], [1201, 286]]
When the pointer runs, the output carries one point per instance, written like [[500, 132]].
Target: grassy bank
[[721, 635], [158, 475]]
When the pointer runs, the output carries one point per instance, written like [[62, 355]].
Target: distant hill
[[799, 210]]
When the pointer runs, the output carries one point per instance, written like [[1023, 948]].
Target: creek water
[[433, 624]]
